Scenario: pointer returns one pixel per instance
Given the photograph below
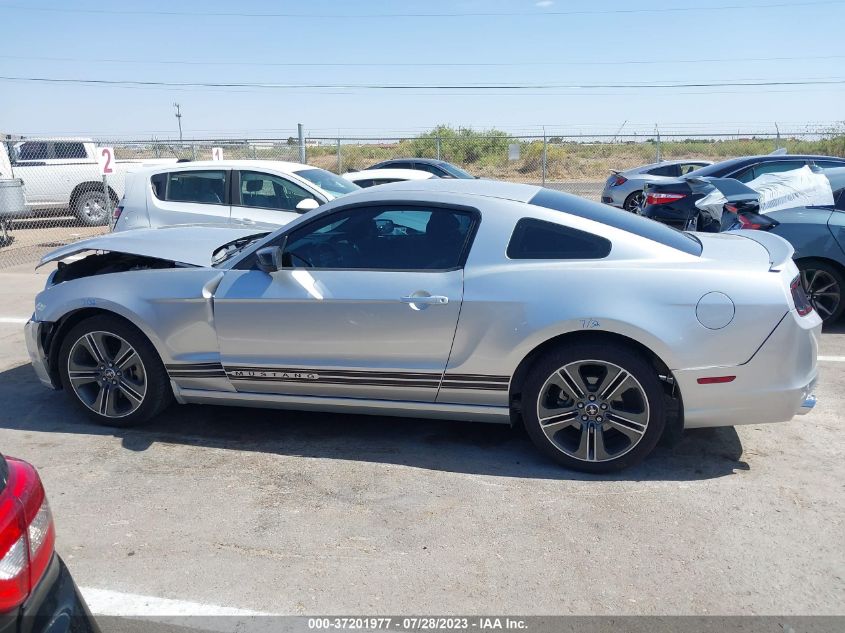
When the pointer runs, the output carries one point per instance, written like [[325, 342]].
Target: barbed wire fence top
[[60, 181]]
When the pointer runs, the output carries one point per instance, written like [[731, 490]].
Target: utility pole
[[179, 120]]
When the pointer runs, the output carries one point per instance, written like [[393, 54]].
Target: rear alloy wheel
[[823, 284], [594, 408], [90, 207], [633, 202], [113, 371]]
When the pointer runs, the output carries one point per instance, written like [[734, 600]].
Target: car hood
[[184, 244]]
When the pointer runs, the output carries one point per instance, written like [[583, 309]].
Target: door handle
[[246, 221], [426, 300]]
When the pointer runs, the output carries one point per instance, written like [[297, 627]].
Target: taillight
[[27, 534], [799, 297], [663, 198], [619, 180], [745, 223], [116, 213]]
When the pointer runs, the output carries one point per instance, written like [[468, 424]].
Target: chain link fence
[[52, 193]]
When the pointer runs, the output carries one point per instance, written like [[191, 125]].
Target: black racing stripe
[[475, 385], [346, 373], [337, 381], [197, 374], [194, 366], [476, 377], [375, 374]]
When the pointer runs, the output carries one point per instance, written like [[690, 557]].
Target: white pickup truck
[[62, 173]]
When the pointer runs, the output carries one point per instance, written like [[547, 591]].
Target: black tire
[[633, 202], [645, 383], [157, 395], [831, 304], [90, 207]]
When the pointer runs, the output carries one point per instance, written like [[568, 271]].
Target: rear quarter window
[[618, 219], [537, 239], [159, 185]]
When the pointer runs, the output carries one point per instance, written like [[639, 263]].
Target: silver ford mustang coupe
[[597, 329]]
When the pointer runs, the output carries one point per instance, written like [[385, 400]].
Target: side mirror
[[269, 258], [309, 204]]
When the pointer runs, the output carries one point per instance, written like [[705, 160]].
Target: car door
[[29, 160], [189, 196], [365, 306], [263, 198], [836, 223]]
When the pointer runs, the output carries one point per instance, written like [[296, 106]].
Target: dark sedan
[[818, 235], [673, 202], [37, 593], [439, 168]]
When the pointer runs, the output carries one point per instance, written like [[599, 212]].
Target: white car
[[62, 173], [246, 193], [372, 177]]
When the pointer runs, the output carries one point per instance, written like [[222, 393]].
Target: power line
[[539, 13], [421, 64], [383, 86]]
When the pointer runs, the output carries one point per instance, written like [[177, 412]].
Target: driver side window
[[383, 238]]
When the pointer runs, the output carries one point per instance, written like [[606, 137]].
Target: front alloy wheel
[[107, 374], [113, 371]]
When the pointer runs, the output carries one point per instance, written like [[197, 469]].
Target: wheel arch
[[838, 264], [69, 320], [674, 422], [84, 187]]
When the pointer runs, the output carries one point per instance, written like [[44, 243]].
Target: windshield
[[456, 172], [327, 181]]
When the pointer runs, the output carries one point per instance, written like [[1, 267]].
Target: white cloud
[[544, 3]]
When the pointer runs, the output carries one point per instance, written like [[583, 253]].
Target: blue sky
[[80, 42]]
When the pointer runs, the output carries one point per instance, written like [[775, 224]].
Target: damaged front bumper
[[34, 335]]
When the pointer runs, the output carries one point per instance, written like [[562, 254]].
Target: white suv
[[234, 192]]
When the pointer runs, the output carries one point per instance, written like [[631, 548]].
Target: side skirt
[[472, 413]]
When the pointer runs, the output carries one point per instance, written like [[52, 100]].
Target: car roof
[[53, 139], [274, 165], [404, 174], [725, 166], [474, 187], [664, 163], [425, 161]]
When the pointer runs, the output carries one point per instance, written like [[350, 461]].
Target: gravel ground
[[311, 513]]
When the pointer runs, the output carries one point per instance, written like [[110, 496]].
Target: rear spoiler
[[780, 251]]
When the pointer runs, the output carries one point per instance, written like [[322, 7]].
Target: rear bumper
[[774, 385], [614, 196], [33, 334], [666, 214], [55, 606]]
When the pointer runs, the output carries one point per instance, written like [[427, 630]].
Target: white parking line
[[832, 359], [16, 320], [107, 602]]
